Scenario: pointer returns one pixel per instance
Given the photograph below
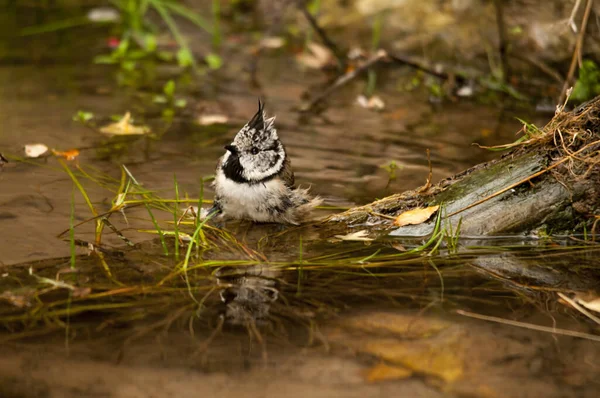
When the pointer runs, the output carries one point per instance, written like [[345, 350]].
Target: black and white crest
[[256, 153], [259, 131]]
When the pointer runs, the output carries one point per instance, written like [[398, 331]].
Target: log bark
[[549, 183]]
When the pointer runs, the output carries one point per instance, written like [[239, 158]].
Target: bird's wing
[[286, 174]]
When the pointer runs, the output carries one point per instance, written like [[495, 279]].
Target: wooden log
[[548, 183]]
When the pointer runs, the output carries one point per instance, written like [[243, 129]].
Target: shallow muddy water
[[264, 309]]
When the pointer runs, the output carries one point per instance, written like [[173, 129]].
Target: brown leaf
[[415, 216], [383, 372]]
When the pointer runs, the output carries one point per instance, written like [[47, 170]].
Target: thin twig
[[347, 77], [531, 326], [373, 213], [576, 51], [571, 21], [404, 60], [324, 38], [116, 231], [540, 65], [427, 185]]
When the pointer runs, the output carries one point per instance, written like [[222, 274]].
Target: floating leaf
[[35, 150], [207, 120], [103, 14], [272, 42], [316, 57], [415, 216], [374, 102], [124, 127], [361, 236], [71, 154]]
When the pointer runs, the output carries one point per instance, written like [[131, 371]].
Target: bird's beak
[[232, 149]]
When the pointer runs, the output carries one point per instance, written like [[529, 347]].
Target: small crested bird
[[254, 179]]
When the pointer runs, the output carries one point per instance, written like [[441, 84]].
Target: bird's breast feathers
[[243, 200]]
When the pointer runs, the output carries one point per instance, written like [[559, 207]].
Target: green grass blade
[[176, 218], [55, 26], [166, 16], [159, 230], [190, 15]]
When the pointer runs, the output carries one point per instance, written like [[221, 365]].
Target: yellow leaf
[[383, 372], [415, 216], [124, 127]]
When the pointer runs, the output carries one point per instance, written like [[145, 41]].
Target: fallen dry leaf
[[361, 236], [272, 42], [71, 154], [35, 150], [316, 57], [591, 303], [374, 103], [124, 127], [415, 216], [383, 372], [207, 120]]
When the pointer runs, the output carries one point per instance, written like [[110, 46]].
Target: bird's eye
[[254, 150]]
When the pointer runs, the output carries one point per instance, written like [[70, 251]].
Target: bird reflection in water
[[249, 293]]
